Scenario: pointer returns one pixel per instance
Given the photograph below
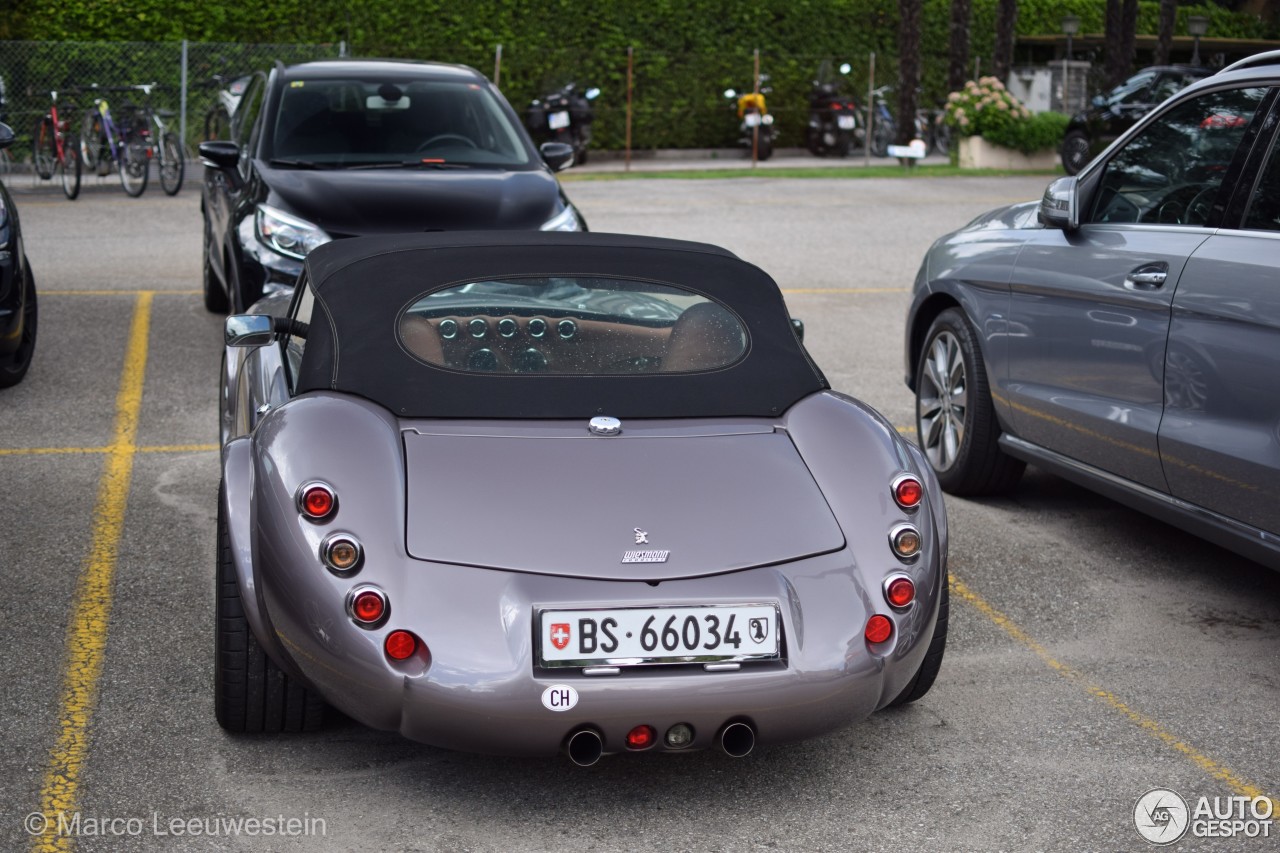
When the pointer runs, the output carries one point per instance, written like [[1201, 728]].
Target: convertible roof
[[362, 284]]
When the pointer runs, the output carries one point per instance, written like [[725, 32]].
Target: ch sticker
[[559, 697]]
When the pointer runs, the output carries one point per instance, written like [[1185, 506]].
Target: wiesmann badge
[[647, 556]]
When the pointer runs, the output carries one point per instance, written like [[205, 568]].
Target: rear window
[[571, 326]]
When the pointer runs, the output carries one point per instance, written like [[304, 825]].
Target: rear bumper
[[479, 690]]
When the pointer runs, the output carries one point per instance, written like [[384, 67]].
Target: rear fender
[[237, 495]]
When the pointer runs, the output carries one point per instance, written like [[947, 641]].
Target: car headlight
[[287, 234], [767, 119], [565, 220]]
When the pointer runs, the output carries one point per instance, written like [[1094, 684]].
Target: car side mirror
[[6, 136], [557, 155], [250, 330], [220, 154], [1058, 207]]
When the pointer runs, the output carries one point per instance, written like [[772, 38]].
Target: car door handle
[[1148, 277]]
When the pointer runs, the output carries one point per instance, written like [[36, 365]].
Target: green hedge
[[686, 51]]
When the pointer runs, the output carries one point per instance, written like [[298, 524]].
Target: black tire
[[215, 298], [764, 148], [70, 167], [844, 142], [942, 138], [1075, 152], [956, 424], [581, 159], [882, 138], [928, 671], [172, 167], [44, 151], [135, 166], [93, 147], [14, 367], [251, 693]]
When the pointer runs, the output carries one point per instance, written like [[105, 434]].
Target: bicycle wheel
[[93, 151], [70, 166], [134, 165], [172, 166], [43, 150]]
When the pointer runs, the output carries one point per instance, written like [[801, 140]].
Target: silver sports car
[[515, 493]]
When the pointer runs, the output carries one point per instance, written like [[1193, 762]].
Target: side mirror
[[6, 136], [557, 155], [592, 93], [220, 154], [1058, 208], [249, 330]]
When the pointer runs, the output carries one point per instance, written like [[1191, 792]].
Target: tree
[[1168, 17], [958, 66], [1006, 21], [1122, 21], [909, 14]]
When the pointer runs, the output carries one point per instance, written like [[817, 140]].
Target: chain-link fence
[[185, 72]]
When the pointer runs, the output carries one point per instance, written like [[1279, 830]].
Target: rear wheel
[[956, 422], [134, 166], [44, 150], [251, 693], [882, 138], [70, 166], [928, 671], [1075, 152], [172, 167], [13, 367]]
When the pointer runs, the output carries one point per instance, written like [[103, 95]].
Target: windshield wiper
[[301, 164], [411, 164]]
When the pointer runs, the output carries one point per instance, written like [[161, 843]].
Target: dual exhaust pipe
[[586, 746]]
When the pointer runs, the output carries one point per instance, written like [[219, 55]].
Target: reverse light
[[899, 591], [341, 553], [679, 736], [907, 491], [316, 501], [288, 235], [367, 606], [905, 541], [641, 737], [400, 645], [879, 629]]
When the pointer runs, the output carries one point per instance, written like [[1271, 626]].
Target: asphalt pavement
[[1094, 654]]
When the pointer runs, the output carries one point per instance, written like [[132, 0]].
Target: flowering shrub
[[985, 108]]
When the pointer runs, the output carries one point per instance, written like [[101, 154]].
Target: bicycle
[[104, 143], [217, 121], [54, 149], [163, 145]]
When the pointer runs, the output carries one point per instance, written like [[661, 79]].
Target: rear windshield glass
[[571, 325], [346, 123]]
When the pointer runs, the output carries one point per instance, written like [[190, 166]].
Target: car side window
[[1171, 172], [1264, 205], [245, 124], [294, 344]]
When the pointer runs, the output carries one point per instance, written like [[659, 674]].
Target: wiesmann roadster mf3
[[517, 493]]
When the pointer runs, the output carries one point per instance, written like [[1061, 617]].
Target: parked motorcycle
[[883, 126], [833, 116], [756, 122], [565, 115]]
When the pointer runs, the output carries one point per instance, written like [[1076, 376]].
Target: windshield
[[571, 325], [1132, 88], [346, 123]]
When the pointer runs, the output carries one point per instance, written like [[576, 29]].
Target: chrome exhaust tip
[[585, 747], [737, 740]]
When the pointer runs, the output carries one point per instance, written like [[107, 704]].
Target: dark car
[[326, 150], [1124, 333], [518, 492], [17, 289], [1115, 112]]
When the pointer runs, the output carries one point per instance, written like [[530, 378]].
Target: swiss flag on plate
[[559, 635]]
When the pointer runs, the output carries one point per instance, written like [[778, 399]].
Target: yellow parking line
[[1231, 779], [152, 448], [91, 607], [120, 293]]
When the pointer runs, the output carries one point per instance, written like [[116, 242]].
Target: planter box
[[978, 153]]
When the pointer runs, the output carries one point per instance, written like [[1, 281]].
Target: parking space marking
[[154, 448], [86, 639], [1231, 779], [149, 293]]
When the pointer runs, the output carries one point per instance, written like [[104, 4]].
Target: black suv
[[1115, 112], [344, 148]]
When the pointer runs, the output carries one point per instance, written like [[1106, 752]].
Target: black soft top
[[362, 284]]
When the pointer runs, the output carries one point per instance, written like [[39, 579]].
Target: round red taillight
[[908, 492], [368, 606], [641, 737], [879, 629], [900, 591], [316, 501], [400, 645]]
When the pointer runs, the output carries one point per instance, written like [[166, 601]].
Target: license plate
[[559, 120], [752, 119], [844, 122], [636, 636]]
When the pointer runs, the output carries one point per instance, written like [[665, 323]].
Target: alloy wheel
[[942, 401]]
